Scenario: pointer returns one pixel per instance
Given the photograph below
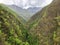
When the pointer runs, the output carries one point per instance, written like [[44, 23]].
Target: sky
[[25, 4]]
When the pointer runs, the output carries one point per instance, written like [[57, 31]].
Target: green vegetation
[[46, 25], [42, 29], [12, 31]]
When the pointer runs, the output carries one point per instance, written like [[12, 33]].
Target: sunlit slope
[[47, 27], [12, 31]]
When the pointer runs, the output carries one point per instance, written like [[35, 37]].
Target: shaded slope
[[47, 26]]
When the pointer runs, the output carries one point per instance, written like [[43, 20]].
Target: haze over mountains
[[25, 13], [26, 8], [34, 10], [25, 4]]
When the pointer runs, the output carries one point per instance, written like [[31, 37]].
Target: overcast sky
[[27, 3]]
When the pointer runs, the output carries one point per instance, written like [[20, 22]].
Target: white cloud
[[6, 2], [27, 3]]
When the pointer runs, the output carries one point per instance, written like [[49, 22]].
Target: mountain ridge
[[25, 13]]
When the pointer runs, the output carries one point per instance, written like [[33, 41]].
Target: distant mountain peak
[[25, 13]]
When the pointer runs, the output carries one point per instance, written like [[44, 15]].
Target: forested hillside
[[46, 24], [12, 31], [42, 29]]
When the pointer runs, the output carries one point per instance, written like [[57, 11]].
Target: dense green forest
[[12, 31], [42, 29]]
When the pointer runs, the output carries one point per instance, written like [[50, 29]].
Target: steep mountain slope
[[46, 24], [25, 14], [42, 29], [11, 29]]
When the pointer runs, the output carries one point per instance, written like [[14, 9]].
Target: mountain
[[34, 10], [45, 24], [43, 28], [22, 12], [25, 13], [12, 31]]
